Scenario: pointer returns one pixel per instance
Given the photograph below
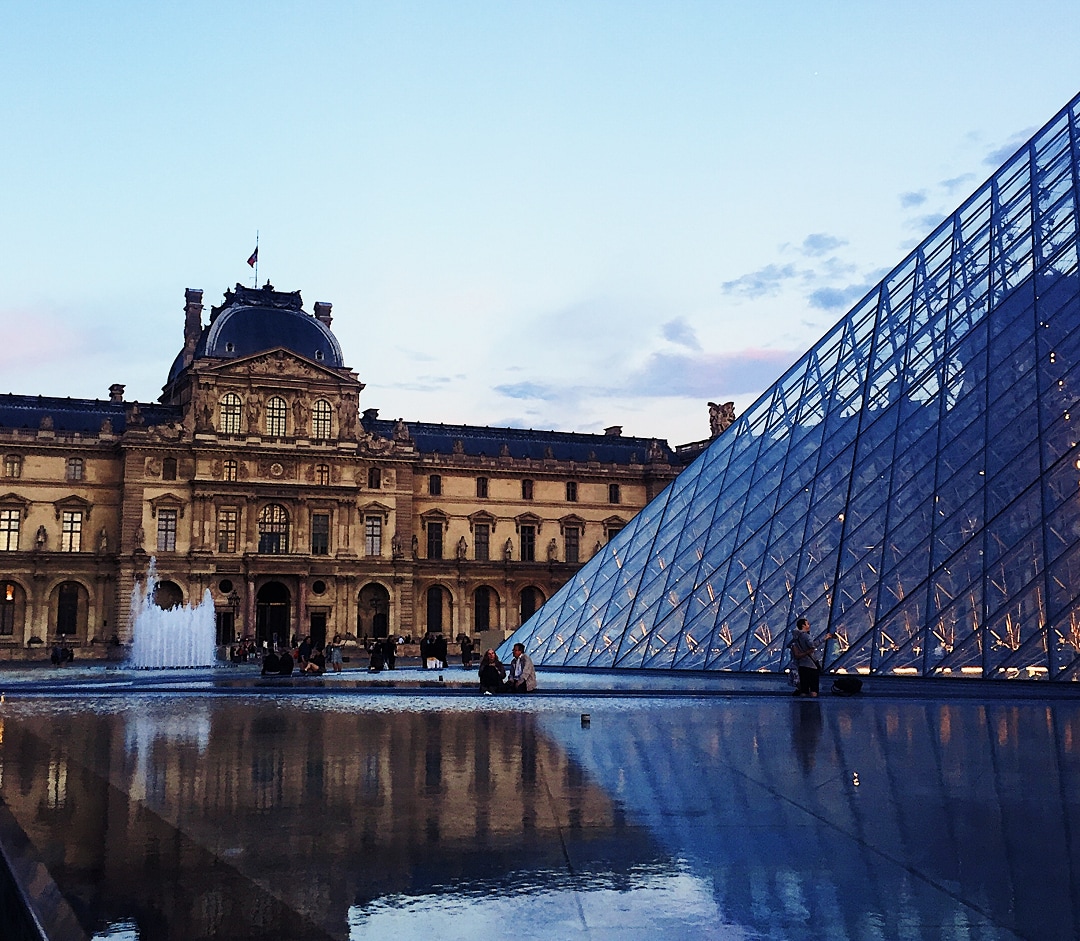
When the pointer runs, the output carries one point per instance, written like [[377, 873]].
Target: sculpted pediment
[[277, 363]]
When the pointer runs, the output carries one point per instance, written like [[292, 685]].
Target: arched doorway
[[439, 610], [272, 614], [72, 606], [485, 609], [168, 595], [531, 599], [12, 605], [373, 614]]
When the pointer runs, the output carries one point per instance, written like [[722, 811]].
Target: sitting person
[[316, 663], [492, 673], [522, 672], [285, 663], [271, 664]]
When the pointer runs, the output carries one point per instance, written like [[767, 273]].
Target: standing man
[[802, 649], [522, 672]]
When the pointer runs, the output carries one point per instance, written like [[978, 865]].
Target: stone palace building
[[258, 477]]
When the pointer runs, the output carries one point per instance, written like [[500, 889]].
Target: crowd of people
[[309, 658]]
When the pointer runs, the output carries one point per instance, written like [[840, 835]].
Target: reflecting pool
[[160, 816]]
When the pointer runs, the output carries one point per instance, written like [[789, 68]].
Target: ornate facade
[[257, 476]]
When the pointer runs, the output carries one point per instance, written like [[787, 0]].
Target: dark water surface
[[279, 817]]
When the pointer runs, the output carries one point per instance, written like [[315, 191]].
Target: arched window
[[321, 419], [231, 413], [273, 530], [275, 417]]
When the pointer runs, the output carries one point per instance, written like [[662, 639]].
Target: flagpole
[[256, 258]]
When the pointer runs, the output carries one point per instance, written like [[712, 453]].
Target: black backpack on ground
[[846, 686]]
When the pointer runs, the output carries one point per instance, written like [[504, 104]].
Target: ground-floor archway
[[373, 611], [272, 614]]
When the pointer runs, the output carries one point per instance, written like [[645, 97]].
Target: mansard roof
[[252, 320], [82, 416], [476, 440]]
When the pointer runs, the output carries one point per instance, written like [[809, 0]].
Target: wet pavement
[[203, 804]]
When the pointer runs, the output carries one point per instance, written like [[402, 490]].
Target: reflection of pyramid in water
[[910, 483]]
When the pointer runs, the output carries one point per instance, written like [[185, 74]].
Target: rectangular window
[[322, 475], [373, 535], [320, 419], [12, 465], [613, 494], [166, 530], [571, 491], [75, 468], [168, 468], [9, 530], [481, 540], [482, 487], [320, 533], [275, 417], [526, 490], [612, 532], [434, 540], [229, 471], [71, 531], [374, 478], [435, 485], [572, 544], [227, 526], [528, 543]]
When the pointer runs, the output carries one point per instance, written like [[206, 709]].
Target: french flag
[[254, 257]]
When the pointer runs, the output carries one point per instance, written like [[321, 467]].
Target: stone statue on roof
[[721, 417]]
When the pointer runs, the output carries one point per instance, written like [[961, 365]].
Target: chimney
[[615, 431], [116, 392], [322, 312], [192, 323]]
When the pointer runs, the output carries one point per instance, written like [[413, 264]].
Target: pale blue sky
[[551, 214]]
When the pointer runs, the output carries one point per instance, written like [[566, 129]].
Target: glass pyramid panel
[[910, 484]]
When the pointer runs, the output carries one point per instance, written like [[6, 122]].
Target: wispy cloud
[[711, 374], [529, 390], [912, 199], [954, 183], [763, 282], [831, 298], [680, 332], [818, 243], [1000, 154]]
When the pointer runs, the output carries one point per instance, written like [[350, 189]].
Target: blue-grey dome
[[252, 320]]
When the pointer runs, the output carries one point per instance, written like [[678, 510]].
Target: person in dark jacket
[[492, 673]]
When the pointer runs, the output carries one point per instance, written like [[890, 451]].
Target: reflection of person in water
[[806, 733]]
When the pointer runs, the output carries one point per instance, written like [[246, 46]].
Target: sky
[[560, 215]]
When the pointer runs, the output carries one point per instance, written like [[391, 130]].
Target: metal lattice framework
[[911, 483]]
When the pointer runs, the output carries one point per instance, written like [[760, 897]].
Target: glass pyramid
[[912, 483]]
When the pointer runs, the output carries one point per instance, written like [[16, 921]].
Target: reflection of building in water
[[292, 816]]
